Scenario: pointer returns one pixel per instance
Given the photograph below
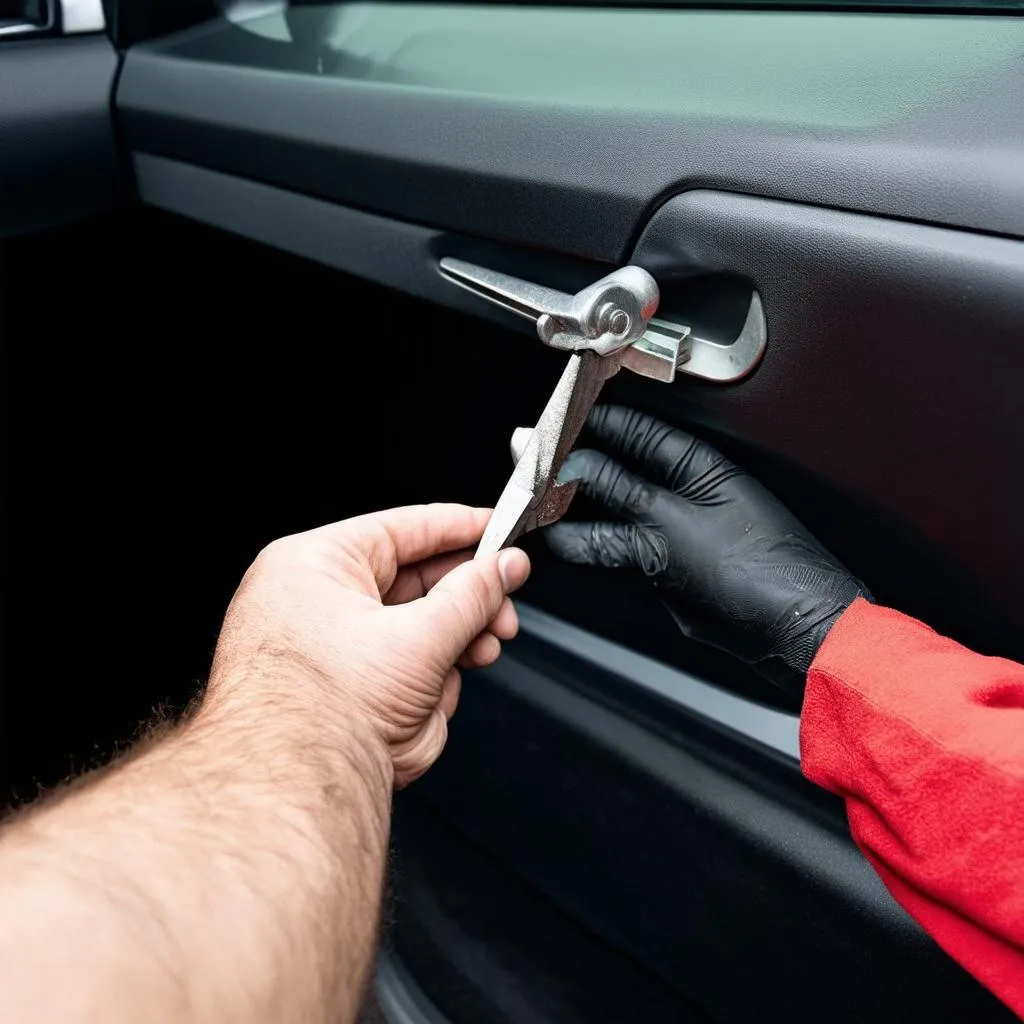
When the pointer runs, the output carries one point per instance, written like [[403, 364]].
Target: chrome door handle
[[604, 317]]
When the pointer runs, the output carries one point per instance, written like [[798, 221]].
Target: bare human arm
[[232, 869]]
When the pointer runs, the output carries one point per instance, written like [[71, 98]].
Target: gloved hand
[[733, 565]]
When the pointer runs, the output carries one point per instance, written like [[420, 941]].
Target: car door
[[618, 829]]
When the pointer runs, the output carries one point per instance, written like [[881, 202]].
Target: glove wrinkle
[[736, 569]]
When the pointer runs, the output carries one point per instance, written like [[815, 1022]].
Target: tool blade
[[512, 508]]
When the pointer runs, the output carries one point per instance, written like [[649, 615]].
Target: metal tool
[[606, 326]]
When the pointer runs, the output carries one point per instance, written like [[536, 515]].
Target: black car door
[[618, 829]]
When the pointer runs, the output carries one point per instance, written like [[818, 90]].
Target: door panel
[[896, 438], [58, 161], [489, 946], [566, 128], [708, 860], [594, 845], [869, 386]]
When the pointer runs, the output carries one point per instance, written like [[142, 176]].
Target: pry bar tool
[[606, 326]]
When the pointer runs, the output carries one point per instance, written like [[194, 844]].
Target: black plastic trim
[[481, 945], [722, 875], [528, 167], [58, 159], [765, 726]]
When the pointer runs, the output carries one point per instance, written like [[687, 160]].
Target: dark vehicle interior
[[223, 321]]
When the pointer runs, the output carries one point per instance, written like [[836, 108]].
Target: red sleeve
[[925, 741]]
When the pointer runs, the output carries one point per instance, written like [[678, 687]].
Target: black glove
[[731, 562]]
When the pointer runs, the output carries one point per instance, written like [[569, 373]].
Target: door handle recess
[[726, 362], [613, 315]]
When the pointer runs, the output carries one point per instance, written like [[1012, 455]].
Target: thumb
[[462, 604]]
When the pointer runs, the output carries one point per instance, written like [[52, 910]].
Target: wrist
[[789, 661], [291, 726]]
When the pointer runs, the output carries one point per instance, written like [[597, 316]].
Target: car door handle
[[616, 314]]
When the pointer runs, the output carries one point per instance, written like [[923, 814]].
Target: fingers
[[505, 624], [608, 482], [399, 536], [484, 650], [413, 581], [450, 690], [672, 457], [463, 604], [413, 758], [612, 545]]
